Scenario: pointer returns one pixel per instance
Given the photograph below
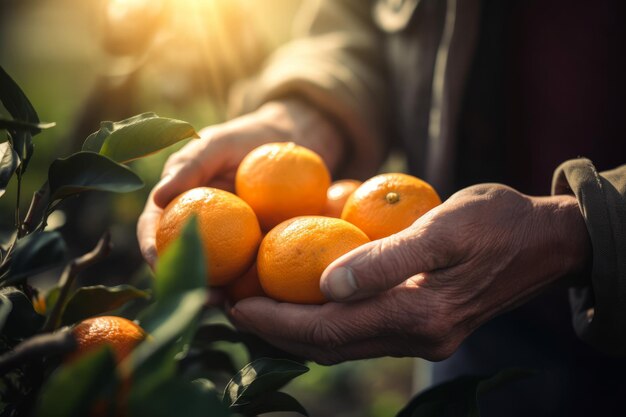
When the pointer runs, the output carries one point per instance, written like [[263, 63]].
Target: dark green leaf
[[259, 378], [271, 402], [458, 397], [212, 360], [137, 136], [95, 300], [5, 308], [259, 348], [168, 321], [208, 387], [213, 332], [15, 101], [22, 321], [35, 253], [94, 142], [51, 299], [71, 390], [9, 162], [181, 267], [84, 171], [18, 125], [180, 292], [23, 146], [175, 397]]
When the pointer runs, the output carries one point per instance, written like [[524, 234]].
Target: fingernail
[[341, 283]]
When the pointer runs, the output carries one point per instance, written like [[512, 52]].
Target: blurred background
[[83, 61]]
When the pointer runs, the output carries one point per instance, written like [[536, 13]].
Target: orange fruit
[[282, 180], [337, 195], [388, 203], [228, 228], [120, 334], [294, 254], [246, 286], [39, 304]]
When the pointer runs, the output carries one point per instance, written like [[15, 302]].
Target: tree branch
[[102, 249]]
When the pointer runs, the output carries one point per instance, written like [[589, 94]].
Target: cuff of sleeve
[[599, 309]]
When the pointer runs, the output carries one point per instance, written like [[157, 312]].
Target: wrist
[[571, 238], [304, 124]]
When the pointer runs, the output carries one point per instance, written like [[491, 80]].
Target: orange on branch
[[121, 334], [228, 228], [282, 180], [388, 203], [294, 254]]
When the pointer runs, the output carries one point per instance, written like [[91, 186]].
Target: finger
[[146, 230], [329, 325], [394, 346], [412, 325], [193, 166], [382, 264]]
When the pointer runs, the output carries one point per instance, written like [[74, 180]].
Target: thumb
[[379, 265]]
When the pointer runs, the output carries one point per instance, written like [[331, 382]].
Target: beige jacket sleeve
[[599, 305], [334, 62]]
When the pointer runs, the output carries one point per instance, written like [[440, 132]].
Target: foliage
[[164, 375], [179, 368]]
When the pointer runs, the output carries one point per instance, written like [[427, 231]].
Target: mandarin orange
[[246, 286], [228, 228], [294, 254], [282, 180], [388, 203], [337, 195], [121, 334]]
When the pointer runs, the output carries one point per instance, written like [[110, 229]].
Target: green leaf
[[51, 299], [15, 101], [181, 292], [208, 359], [84, 171], [167, 321], [18, 125], [71, 390], [5, 309], [36, 253], [95, 300], [208, 333], [260, 377], [213, 332], [137, 136], [181, 267], [271, 402], [458, 397], [22, 320], [9, 162], [175, 397]]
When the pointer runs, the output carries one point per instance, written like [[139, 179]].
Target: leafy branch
[[102, 249]]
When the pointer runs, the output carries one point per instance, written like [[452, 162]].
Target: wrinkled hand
[[422, 291], [213, 159]]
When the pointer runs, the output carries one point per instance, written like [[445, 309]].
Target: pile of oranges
[[287, 222]]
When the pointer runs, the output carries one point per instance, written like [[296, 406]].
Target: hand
[[422, 291], [213, 159]]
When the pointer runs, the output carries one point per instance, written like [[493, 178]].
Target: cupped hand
[[213, 159], [422, 291]]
